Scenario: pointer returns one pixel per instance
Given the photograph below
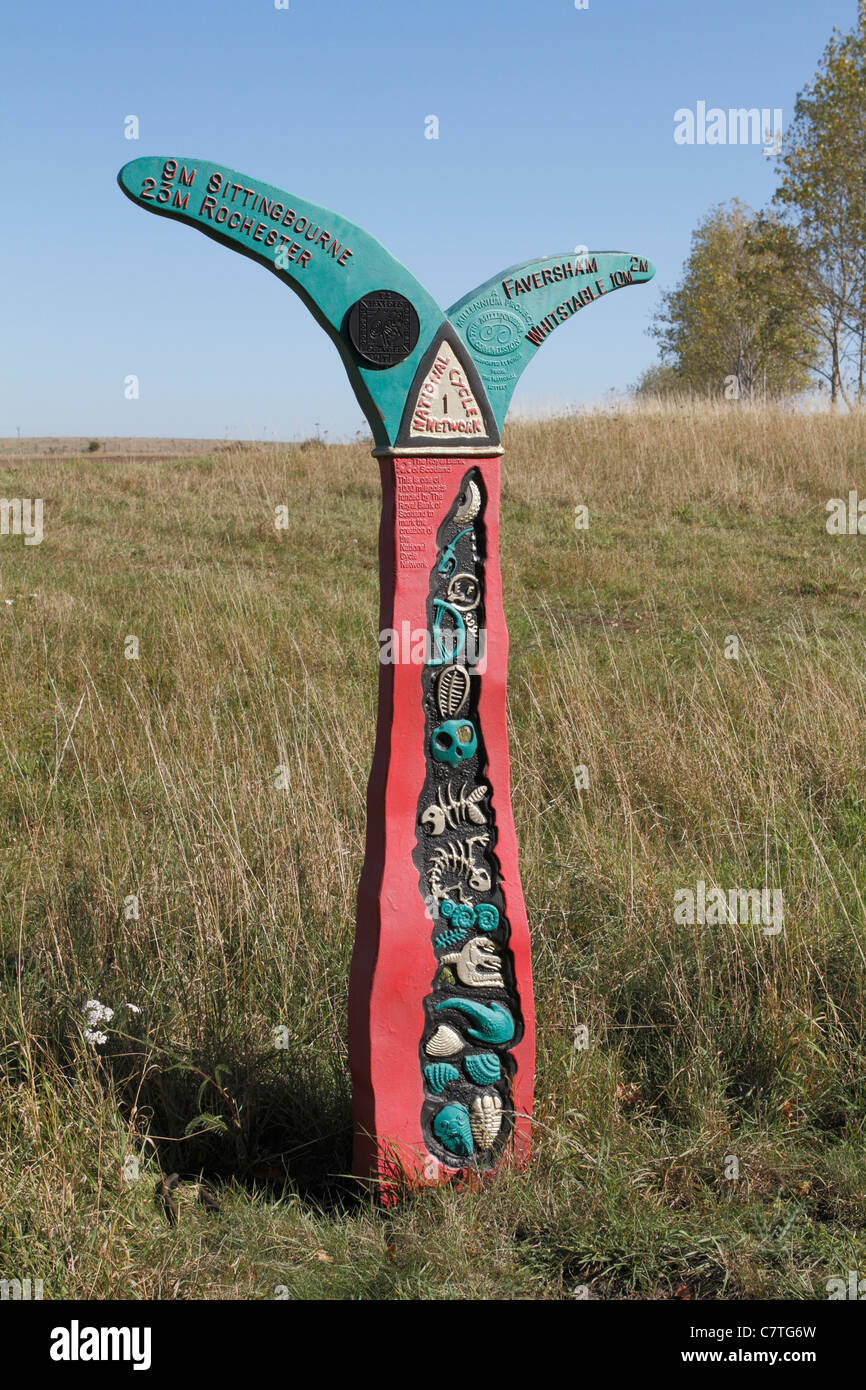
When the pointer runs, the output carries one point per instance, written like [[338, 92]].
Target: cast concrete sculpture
[[441, 1022]]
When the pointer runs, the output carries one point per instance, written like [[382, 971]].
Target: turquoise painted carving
[[483, 1067], [391, 335], [453, 1130], [454, 741], [438, 1075], [456, 638], [464, 915], [487, 916], [448, 563], [446, 939], [495, 1024]]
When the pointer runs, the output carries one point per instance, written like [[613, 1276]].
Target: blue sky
[[555, 130]]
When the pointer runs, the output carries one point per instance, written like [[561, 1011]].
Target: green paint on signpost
[[383, 322], [327, 260], [504, 322]]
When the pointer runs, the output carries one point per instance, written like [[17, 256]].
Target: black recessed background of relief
[[471, 557]]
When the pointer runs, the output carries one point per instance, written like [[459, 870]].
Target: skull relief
[[454, 741]]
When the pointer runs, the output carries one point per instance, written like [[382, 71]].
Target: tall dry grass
[[158, 778]]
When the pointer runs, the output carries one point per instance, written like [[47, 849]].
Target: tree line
[[773, 302]]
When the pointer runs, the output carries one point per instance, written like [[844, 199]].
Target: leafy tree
[[737, 321], [823, 194], [658, 380]]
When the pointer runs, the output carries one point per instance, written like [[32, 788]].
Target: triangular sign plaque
[[446, 407]]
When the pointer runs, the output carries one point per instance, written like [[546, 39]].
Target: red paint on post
[[393, 964]]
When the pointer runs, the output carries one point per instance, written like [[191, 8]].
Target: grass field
[[155, 777]]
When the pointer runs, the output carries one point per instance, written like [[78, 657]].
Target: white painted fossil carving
[[477, 963], [458, 859], [453, 811], [485, 1119], [471, 504], [443, 1042], [452, 691]]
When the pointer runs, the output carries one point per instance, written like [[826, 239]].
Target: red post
[[393, 1004]]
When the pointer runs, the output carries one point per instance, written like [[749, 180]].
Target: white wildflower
[[95, 1012]]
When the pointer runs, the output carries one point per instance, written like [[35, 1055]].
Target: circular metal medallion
[[383, 328]]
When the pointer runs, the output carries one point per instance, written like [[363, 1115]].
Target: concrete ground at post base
[[219, 780]]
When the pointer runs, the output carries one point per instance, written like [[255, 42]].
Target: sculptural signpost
[[441, 1023]]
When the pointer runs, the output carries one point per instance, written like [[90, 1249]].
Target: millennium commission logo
[[495, 332]]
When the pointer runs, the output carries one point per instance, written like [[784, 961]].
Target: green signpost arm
[[504, 321], [330, 262]]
